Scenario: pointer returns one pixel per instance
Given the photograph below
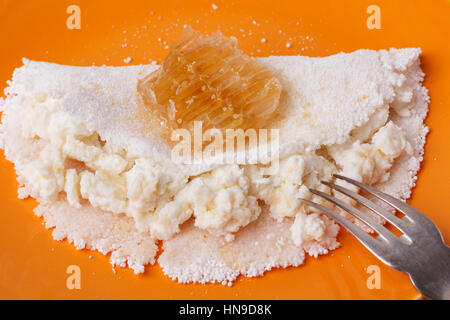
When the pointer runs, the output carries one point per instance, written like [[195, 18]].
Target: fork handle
[[435, 282]]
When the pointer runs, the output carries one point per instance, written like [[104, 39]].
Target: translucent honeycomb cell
[[208, 78]]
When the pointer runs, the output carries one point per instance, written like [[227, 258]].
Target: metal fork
[[420, 251]]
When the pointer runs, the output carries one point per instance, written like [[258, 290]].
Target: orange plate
[[32, 265]]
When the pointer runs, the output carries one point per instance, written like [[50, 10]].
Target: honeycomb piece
[[209, 79]]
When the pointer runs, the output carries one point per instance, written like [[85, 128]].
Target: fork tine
[[382, 231], [399, 223], [375, 246], [411, 213]]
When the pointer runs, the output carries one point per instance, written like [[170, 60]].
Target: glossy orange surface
[[32, 265]]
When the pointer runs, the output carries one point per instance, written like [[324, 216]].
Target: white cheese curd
[[370, 162], [46, 173], [391, 141], [229, 205], [307, 227], [149, 185], [220, 200], [283, 193], [93, 156], [166, 221], [72, 188], [284, 190], [104, 191]]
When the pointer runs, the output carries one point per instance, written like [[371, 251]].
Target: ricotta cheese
[[222, 200]]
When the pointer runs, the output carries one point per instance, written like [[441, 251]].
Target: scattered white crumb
[[288, 45], [214, 6], [263, 40], [128, 59]]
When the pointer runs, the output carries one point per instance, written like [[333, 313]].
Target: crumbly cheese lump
[[75, 161]]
